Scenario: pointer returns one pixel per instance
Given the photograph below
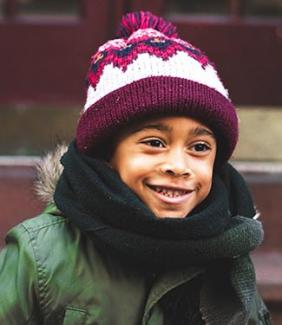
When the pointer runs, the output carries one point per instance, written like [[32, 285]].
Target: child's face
[[168, 162]]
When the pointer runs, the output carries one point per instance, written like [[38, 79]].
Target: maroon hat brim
[[157, 96]]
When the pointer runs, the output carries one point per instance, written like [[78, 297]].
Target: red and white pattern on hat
[[147, 53]]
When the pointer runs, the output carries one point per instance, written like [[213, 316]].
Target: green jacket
[[52, 274]]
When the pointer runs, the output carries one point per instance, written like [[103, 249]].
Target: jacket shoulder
[[48, 218], [42, 227], [25, 266], [45, 233], [54, 252]]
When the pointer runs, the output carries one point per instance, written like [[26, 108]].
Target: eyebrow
[[202, 131], [156, 126]]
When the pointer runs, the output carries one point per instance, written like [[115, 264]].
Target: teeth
[[170, 193]]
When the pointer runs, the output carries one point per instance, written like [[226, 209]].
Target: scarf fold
[[218, 234]]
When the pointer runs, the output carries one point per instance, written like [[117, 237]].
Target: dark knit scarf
[[218, 234]]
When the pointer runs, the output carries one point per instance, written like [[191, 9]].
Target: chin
[[170, 215]]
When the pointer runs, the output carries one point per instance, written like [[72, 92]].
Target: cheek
[[205, 176], [131, 168]]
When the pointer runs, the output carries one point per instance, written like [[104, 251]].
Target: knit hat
[[147, 72]]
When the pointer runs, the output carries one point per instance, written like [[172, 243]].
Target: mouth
[[169, 194]]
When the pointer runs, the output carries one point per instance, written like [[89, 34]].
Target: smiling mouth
[[170, 192]]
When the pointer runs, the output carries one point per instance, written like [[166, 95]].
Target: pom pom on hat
[[131, 22], [147, 72]]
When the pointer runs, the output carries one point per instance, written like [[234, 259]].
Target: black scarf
[[218, 234]]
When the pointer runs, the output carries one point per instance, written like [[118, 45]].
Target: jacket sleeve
[[18, 280]]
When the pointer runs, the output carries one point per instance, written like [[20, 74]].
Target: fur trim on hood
[[49, 170]]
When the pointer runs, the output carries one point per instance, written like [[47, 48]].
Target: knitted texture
[[149, 71]]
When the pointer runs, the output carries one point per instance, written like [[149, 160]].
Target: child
[[148, 223]]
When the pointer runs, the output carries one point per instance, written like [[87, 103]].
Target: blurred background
[[45, 49]]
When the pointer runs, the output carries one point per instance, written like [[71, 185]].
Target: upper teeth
[[170, 192]]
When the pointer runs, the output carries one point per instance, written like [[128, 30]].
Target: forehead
[[168, 124]]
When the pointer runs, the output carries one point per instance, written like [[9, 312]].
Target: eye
[[201, 147], [154, 143]]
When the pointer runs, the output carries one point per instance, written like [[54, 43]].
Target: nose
[[176, 164]]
